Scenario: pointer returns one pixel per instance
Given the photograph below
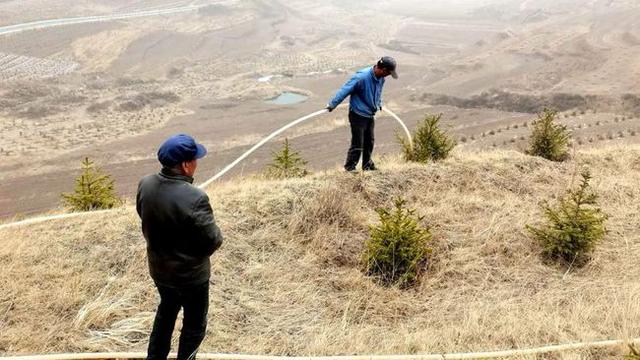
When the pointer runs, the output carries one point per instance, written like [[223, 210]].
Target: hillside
[[94, 89], [287, 279], [575, 47]]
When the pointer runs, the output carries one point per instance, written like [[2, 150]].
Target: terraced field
[[14, 66]]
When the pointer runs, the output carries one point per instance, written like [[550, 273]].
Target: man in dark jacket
[[365, 89], [181, 235]]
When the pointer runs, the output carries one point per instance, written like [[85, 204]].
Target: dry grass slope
[[287, 280]]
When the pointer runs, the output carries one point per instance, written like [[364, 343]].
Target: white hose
[[206, 183], [477, 355], [258, 145], [281, 130], [53, 217], [404, 127]]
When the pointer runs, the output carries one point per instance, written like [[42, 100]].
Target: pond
[[287, 98]]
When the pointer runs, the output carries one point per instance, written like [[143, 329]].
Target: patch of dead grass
[[287, 281]]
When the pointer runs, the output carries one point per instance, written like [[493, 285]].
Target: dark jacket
[[178, 224]]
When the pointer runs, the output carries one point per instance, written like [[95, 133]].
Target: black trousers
[[362, 139], [195, 302]]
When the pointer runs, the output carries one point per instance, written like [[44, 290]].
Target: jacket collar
[[175, 175], [373, 75]]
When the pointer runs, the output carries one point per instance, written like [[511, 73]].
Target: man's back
[[179, 227]]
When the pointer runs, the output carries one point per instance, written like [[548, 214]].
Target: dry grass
[[288, 280]]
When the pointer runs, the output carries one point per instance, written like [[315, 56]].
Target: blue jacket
[[365, 90]]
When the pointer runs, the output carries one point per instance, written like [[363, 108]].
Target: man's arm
[[345, 91], [207, 233]]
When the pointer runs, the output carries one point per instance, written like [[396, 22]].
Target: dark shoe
[[370, 168], [350, 169]]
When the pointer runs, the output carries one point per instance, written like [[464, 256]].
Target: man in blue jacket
[[365, 88]]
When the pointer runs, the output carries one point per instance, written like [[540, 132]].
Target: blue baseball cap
[[178, 149]]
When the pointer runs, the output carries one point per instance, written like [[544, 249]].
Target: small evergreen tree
[[397, 248], [574, 227], [549, 139], [287, 163], [94, 190], [430, 143]]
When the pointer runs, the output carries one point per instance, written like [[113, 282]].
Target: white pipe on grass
[[281, 130], [452, 356], [259, 145]]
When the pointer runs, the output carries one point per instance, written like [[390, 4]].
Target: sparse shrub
[[582, 112], [620, 134], [473, 137], [484, 135], [513, 140], [397, 249], [38, 111], [579, 141], [502, 100], [154, 99], [99, 106], [430, 143], [508, 127], [463, 139], [494, 145], [287, 163], [492, 132], [616, 120], [548, 139], [598, 123], [574, 227], [610, 135], [632, 133], [574, 114], [94, 190], [525, 124], [499, 130], [515, 126], [590, 139]]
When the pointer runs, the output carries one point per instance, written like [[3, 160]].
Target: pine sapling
[[93, 190], [549, 139], [574, 227], [397, 248], [430, 142], [287, 163]]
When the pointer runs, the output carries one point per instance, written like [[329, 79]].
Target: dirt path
[[43, 24]]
